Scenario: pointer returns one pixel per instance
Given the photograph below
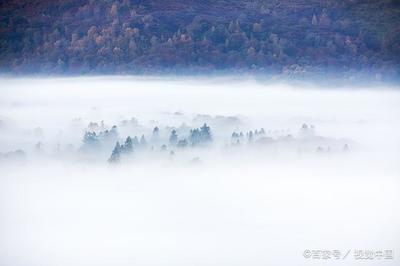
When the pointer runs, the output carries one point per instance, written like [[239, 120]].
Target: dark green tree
[[205, 133], [116, 154], [128, 145], [156, 132], [173, 138]]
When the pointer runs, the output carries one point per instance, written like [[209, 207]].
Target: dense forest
[[289, 37]]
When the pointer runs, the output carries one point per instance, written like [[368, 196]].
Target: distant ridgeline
[[281, 37]]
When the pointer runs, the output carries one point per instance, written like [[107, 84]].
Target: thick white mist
[[250, 205]]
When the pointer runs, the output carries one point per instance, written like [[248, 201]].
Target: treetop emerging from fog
[[133, 36]]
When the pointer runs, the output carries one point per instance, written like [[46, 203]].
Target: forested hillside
[[289, 37]]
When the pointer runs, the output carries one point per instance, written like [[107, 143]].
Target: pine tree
[[156, 132], [173, 138], [116, 154], [135, 141], [205, 133], [194, 136], [114, 131], [250, 136], [128, 146], [143, 141]]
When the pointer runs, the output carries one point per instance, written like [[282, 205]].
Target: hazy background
[[250, 209]]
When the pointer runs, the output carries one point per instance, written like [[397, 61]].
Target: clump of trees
[[200, 135], [90, 141], [93, 141], [197, 137], [120, 150], [237, 138]]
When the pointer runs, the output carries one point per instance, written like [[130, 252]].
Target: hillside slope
[[291, 37]]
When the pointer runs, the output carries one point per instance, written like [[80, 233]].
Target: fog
[[321, 173]]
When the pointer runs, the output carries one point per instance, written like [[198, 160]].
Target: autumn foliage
[[133, 36]]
